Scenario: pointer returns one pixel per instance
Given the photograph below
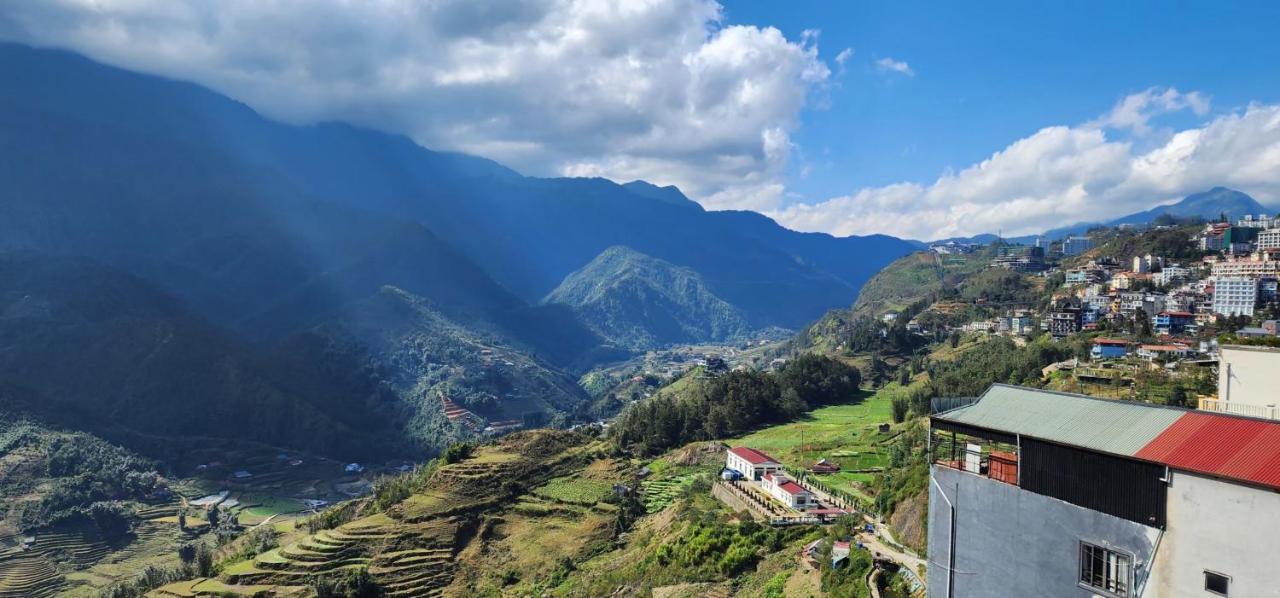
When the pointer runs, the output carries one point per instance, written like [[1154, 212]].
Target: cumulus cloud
[[655, 89], [1062, 175], [889, 65], [1135, 111]]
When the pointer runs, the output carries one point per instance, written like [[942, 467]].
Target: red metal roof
[[752, 456], [1229, 447], [1110, 341], [792, 488]]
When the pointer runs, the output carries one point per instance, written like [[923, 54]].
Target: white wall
[[1254, 373], [1223, 527]]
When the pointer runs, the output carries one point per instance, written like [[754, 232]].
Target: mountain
[[94, 347], [221, 191], [1208, 205], [642, 302]]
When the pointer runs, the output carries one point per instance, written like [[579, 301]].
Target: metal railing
[[1238, 408]]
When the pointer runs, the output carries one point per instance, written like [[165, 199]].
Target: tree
[[182, 519], [212, 516], [204, 560], [899, 407], [954, 340], [187, 552]]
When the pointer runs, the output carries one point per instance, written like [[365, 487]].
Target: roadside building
[[1235, 295], [1108, 498], [783, 489], [752, 464]]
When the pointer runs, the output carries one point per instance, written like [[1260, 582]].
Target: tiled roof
[[752, 456], [792, 488]]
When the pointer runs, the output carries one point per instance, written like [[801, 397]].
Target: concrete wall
[[1222, 527], [1253, 375], [1010, 542]]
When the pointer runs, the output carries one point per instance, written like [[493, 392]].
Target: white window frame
[[1128, 578]]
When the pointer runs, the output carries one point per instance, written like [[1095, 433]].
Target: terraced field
[[659, 493], [412, 548], [28, 574]]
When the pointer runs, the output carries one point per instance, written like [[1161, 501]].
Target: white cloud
[[1135, 111], [659, 89], [889, 65], [1062, 175], [844, 56]]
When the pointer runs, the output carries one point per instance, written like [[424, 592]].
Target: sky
[[921, 120]]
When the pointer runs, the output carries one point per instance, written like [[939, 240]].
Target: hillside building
[[1054, 495], [1235, 295], [1109, 348], [1020, 258], [1076, 245], [752, 464], [787, 491]]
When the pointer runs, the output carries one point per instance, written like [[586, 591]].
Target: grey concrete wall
[[1222, 527], [1010, 542]]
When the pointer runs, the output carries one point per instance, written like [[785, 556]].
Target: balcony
[[987, 457], [1238, 408]]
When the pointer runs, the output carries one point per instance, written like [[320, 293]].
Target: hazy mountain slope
[[527, 233], [134, 181], [103, 350], [420, 356], [642, 302]]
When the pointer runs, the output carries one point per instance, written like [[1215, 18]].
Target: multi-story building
[[1053, 495], [1086, 275], [752, 464], [1109, 348], [1065, 321], [1255, 266], [1076, 245], [1021, 258], [1235, 295], [1269, 240], [1172, 322], [1171, 275], [1262, 221]]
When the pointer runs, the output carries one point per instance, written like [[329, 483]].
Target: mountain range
[[1209, 205], [355, 277]]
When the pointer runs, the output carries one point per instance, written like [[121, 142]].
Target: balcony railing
[[1238, 408]]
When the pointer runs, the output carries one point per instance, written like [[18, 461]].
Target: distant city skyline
[[923, 121]]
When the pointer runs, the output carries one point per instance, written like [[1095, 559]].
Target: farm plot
[[660, 493], [575, 490]]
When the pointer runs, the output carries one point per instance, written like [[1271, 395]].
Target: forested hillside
[[641, 302]]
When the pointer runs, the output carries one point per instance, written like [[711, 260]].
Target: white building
[[786, 491], [1171, 274], [1235, 295], [1259, 221], [1254, 266], [752, 464], [1247, 381], [1269, 239]]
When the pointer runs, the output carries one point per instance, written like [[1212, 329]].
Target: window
[[1105, 570], [1216, 583]]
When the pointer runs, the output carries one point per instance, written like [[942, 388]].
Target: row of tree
[[735, 403]]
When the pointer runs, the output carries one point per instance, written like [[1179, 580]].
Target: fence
[[840, 498], [1237, 408]]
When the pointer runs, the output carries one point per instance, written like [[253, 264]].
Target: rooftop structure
[[1039, 493]]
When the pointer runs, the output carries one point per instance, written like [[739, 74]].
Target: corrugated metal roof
[[1220, 445], [1109, 426]]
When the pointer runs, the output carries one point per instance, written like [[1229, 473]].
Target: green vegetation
[[574, 490], [641, 302], [734, 403]]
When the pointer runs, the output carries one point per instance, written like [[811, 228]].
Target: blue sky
[[990, 72], [943, 119]]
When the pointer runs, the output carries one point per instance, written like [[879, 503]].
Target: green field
[[843, 434], [575, 490]]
